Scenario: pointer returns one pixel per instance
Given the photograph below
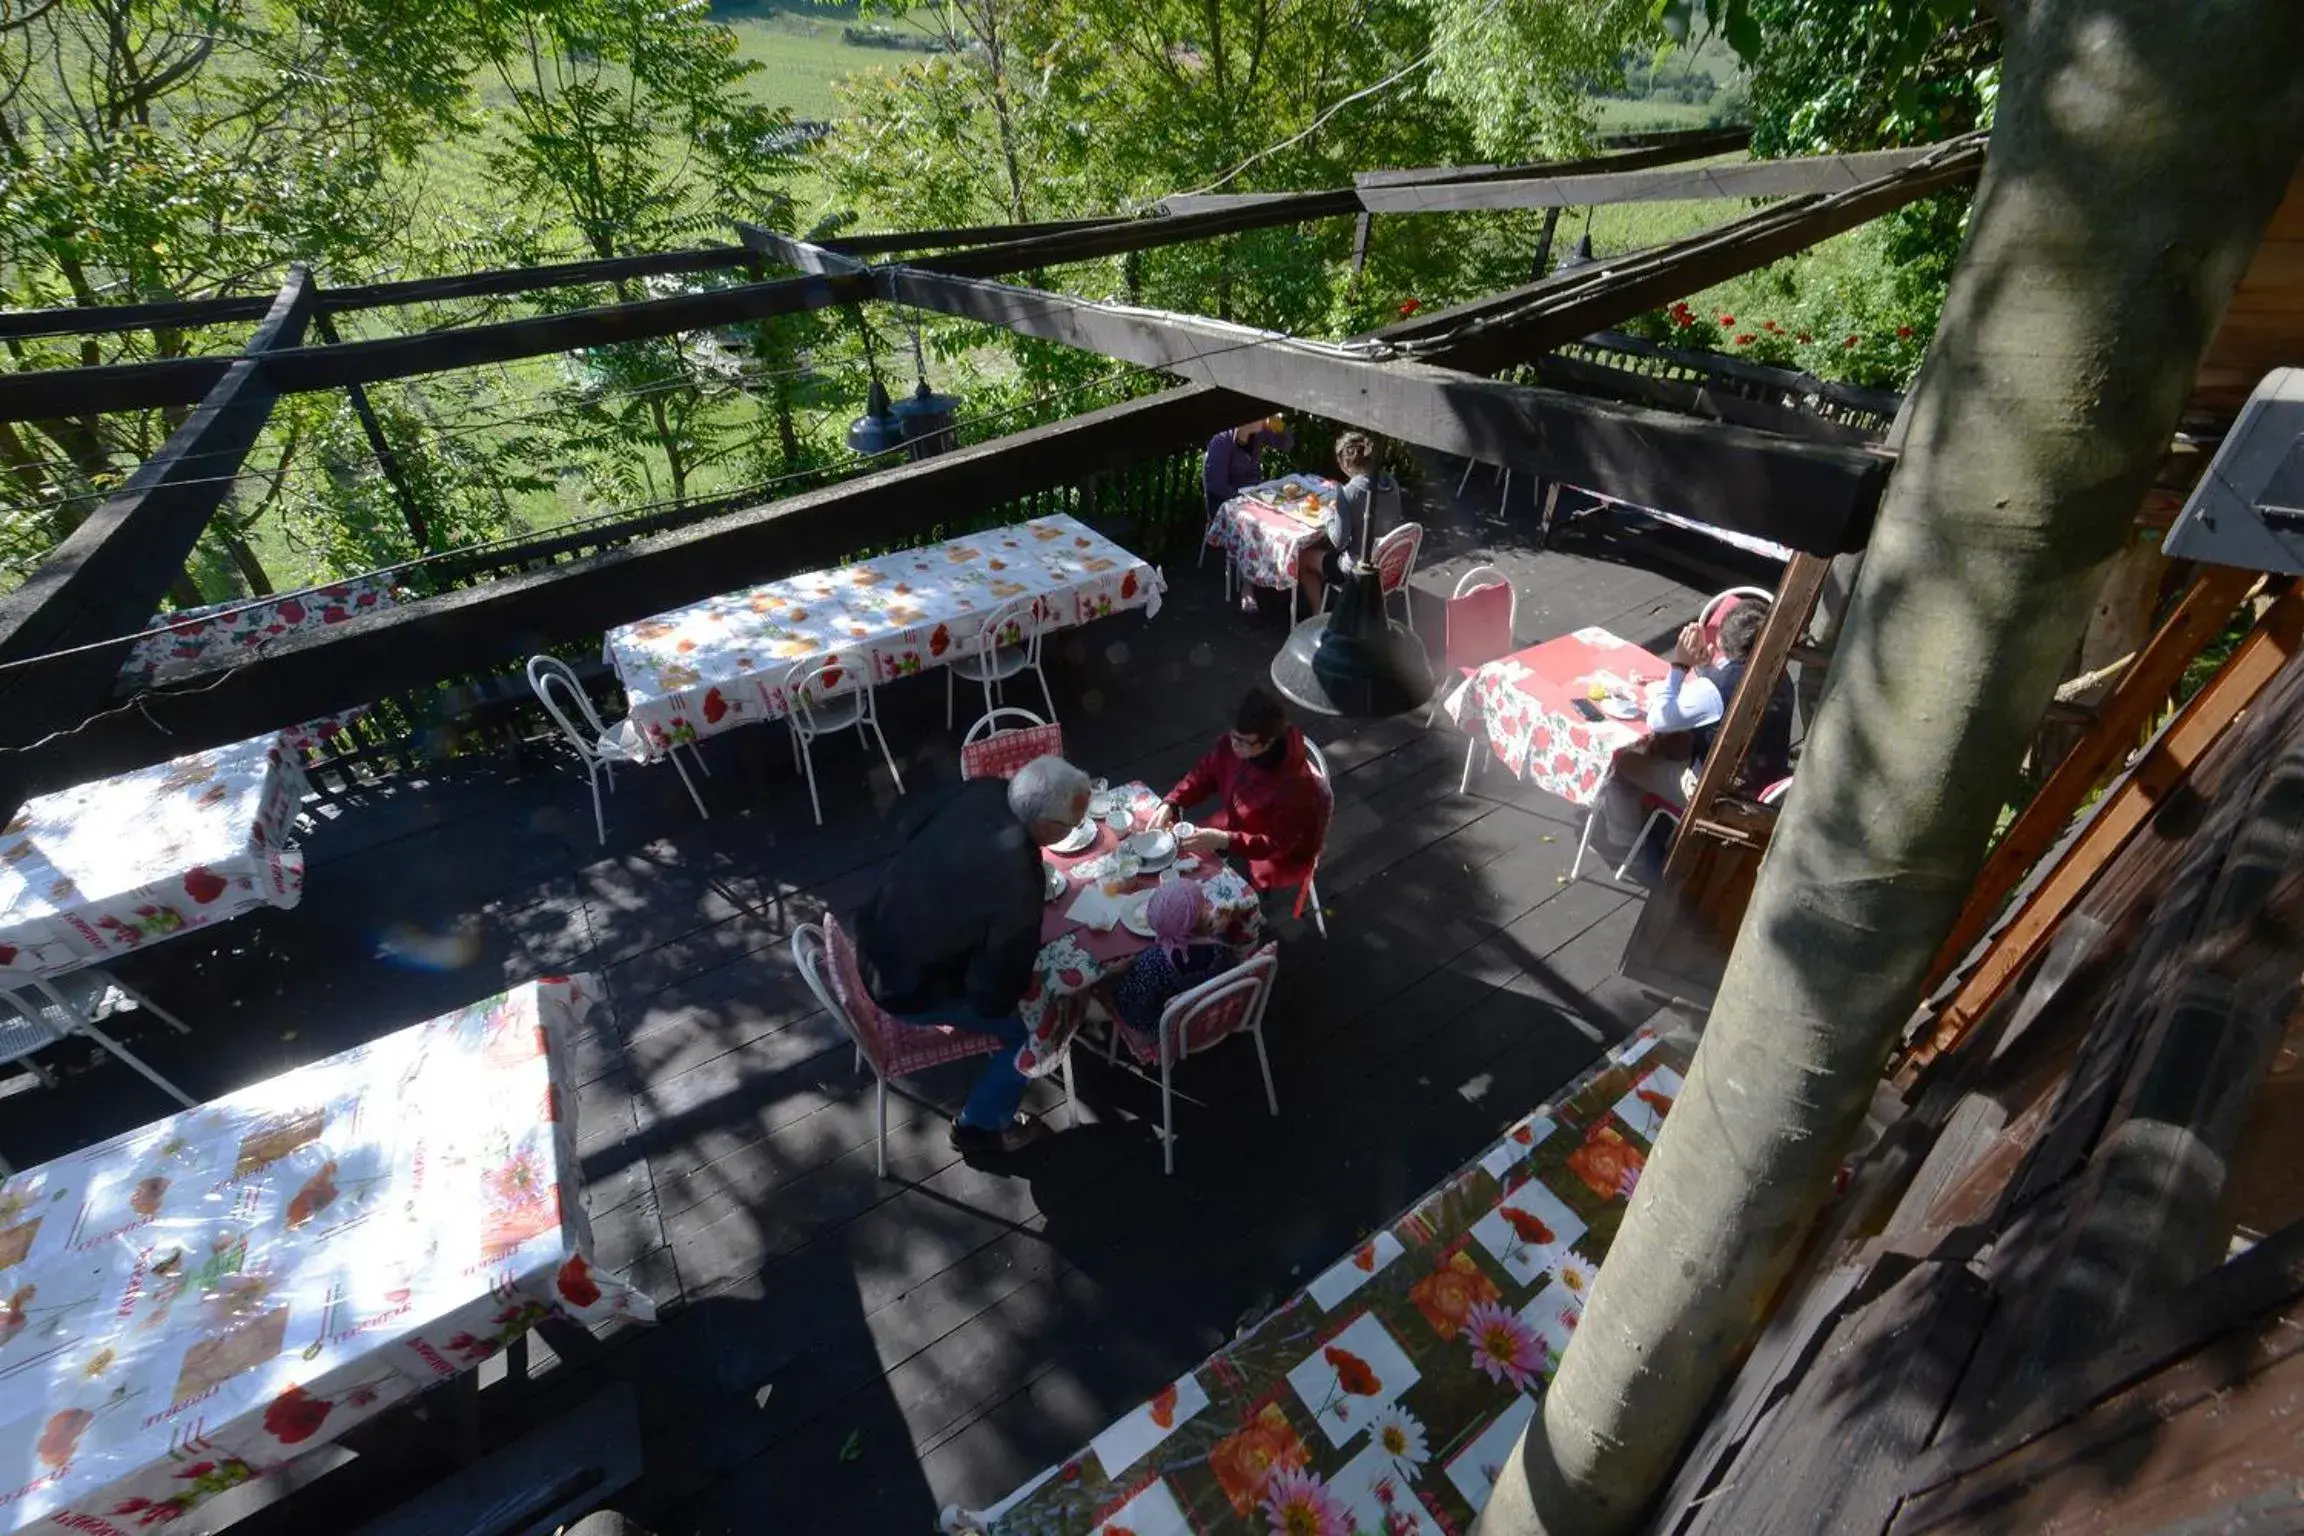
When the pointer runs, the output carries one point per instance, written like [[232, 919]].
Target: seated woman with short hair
[[1271, 809]]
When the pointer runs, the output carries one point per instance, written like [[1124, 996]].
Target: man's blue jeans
[[999, 1090]]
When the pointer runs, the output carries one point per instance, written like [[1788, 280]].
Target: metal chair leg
[[599, 816], [882, 1092], [1312, 895], [1271, 1095], [697, 752], [1167, 1115], [808, 763], [1046, 697], [1584, 842], [149, 1006], [682, 769], [1071, 1102], [121, 1051], [886, 755], [1469, 466], [1471, 761]]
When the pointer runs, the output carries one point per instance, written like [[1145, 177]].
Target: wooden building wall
[[2265, 324]]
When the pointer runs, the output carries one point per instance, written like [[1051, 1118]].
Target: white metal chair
[[564, 698], [1309, 893], [1659, 811], [1008, 643], [1718, 605], [991, 751], [811, 714], [1395, 560], [38, 1011], [1230, 1004]]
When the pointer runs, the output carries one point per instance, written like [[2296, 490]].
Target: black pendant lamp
[[1354, 660], [878, 430]]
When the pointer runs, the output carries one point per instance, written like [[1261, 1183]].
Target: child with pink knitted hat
[[1181, 957]]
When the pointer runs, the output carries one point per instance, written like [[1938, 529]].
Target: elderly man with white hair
[[950, 935]]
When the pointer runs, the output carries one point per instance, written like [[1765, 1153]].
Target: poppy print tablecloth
[[1266, 528], [104, 868], [1384, 1397], [1525, 704], [187, 639], [190, 1305], [1076, 960], [718, 664]]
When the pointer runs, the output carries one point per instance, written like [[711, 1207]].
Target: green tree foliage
[[1524, 71]]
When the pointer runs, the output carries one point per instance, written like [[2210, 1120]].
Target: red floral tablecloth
[[1383, 1398], [193, 1304], [1526, 705], [1265, 528], [721, 663], [187, 639], [104, 868], [1075, 959]]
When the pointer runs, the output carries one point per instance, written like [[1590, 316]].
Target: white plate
[[1621, 709], [1152, 849], [1102, 802], [1055, 885], [1135, 915], [1076, 839], [1119, 819]]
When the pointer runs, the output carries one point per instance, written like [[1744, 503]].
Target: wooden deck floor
[[843, 1354]]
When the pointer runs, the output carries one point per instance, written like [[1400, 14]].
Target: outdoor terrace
[[841, 1353]]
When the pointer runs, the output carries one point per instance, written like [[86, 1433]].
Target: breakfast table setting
[[1265, 529], [1556, 714], [1100, 879]]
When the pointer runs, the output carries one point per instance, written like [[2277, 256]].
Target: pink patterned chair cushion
[[1199, 1025], [1000, 754], [1396, 553], [895, 1048]]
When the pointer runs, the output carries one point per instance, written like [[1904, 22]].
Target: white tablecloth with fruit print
[[193, 1304], [718, 664], [104, 868]]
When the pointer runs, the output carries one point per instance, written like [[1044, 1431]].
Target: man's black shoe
[[975, 1141]]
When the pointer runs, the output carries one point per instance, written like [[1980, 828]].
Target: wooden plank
[[1694, 399], [386, 459], [975, 234], [97, 320], [1139, 234], [413, 644], [1796, 177], [106, 578], [1811, 496], [797, 254], [536, 1485], [2159, 774], [41, 394], [1756, 689], [2121, 719]]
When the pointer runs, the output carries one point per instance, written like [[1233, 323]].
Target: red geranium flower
[[1851, 341], [1409, 307], [1727, 319], [1745, 339], [1904, 333], [1804, 338]]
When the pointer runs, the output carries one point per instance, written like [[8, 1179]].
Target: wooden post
[[1542, 266], [373, 429], [1787, 619], [2120, 721], [2133, 802], [1362, 227]]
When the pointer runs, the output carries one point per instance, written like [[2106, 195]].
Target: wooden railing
[[1154, 506], [1871, 411]]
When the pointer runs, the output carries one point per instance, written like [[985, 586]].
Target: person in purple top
[[1236, 458]]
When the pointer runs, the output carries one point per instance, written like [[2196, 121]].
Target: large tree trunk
[[2140, 149]]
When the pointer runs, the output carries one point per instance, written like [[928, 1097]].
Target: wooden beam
[[978, 234], [386, 460], [2121, 721], [412, 645], [100, 319], [799, 255], [1755, 690], [108, 576], [44, 394], [1811, 496], [1494, 332], [2132, 803], [1693, 398], [1796, 177], [1140, 234], [1630, 153]]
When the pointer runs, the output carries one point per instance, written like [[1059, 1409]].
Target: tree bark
[[2139, 151]]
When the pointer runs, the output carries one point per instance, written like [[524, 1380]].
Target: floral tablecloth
[[1383, 1398], [1076, 960], [1525, 704], [1266, 527], [103, 868], [190, 1305], [189, 638], [718, 664]]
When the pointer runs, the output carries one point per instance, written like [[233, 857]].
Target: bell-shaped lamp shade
[[877, 430], [1354, 660]]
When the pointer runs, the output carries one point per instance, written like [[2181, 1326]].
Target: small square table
[[1526, 706], [1265, 530]]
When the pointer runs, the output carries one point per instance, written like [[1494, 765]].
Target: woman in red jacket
[[1271, 808]]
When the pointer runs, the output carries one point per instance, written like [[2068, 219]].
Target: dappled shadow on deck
[[841, 1353]]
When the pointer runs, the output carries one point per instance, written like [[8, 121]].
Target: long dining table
[[721, 663]]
